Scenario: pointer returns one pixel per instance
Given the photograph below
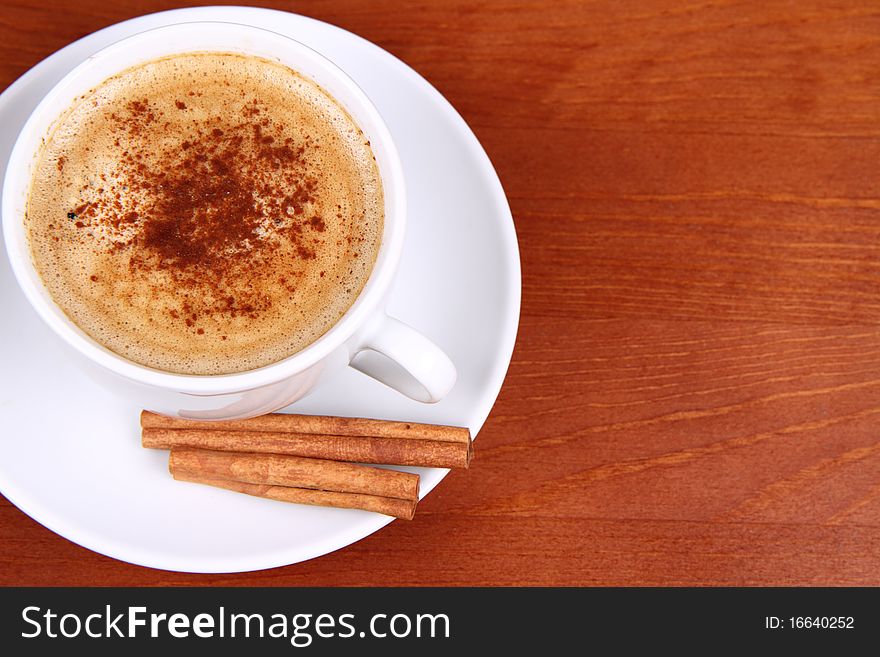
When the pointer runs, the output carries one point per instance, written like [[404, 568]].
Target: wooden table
[[695, 393]]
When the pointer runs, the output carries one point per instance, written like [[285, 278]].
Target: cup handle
[[412, 364]]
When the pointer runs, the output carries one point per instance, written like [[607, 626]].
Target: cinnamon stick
[[316, 424], [361, 449], [390, 506], [292, 471]]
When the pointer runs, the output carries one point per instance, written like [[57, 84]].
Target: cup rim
[[27, 146]]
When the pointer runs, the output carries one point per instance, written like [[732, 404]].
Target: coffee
[[206, 213]]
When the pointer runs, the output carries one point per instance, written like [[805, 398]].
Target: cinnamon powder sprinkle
[[215, 209]]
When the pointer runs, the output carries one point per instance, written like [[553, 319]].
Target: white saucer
[[69, 451]]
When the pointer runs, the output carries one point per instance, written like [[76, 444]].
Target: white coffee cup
[[392, 352]]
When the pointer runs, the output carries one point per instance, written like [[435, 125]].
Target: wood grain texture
[[695, 393]]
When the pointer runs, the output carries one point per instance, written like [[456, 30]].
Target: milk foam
[[206, 213]]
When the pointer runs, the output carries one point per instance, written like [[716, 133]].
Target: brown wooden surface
[[695, 392]]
